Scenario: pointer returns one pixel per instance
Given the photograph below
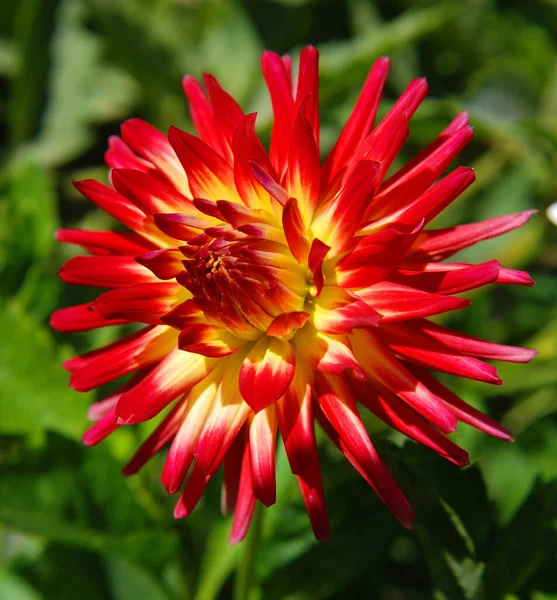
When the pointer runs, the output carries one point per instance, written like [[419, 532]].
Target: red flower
[[276, 291]]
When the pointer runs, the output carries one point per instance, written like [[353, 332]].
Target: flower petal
[[267, 372], [262, 443], [177, 373]]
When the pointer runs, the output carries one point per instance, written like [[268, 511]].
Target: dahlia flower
[[276, 291]]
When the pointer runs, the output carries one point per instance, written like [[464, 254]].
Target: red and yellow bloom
[[277, 291]]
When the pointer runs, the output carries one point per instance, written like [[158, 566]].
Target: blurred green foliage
[[71, 526]]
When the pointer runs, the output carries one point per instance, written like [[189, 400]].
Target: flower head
[[276, 291]]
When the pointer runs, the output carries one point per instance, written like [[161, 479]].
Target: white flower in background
[[552, 213]]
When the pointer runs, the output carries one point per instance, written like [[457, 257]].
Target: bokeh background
[[70, 526]]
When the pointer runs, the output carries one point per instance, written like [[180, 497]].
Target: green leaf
[[34, 392], [82, 90], [15, 588], [527, 542], [128, 580]]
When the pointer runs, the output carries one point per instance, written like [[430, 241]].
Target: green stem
[[243, 583]]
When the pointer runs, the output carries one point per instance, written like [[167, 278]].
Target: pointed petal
[[174, 376], [473, 346], [295, 230], [395, 302], [142, 302], [180, 454], [286, 324], [267, 372], [148, 142], [80, 318], [208, 340], [105, 271], [161, 436], [438, 244], [303, 174], [202, 116], [398, 415], [311, 487], [328, 353], [295, 420], [227, 416], [209, 175], [317, 254], [410, 343], [278, 82], [360, 121], [262, 443], [140, 349], [165, 263], [195, 486], [245, 503], [307, 91], [462, 411], [104, 242], [337, 221], [386, 372], [338, 405]]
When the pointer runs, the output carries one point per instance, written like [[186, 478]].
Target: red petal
[[473, 346], [203, 117], [80, 318], [337, 221], [165, 263], [395, 413], [396, 302], [307, 91], [247, 148], [105, 271], [174, 376], [280, 90], [150, 143], [132, 352], [149, 193], [143, 302], [228, 114], [295, 420], [328, 353], [408, 342], [386, 372], [360, 121], [197, 407], [245, 503], [439, 244], [295, 230], [303, 175], [317, 254], [104, 242], [452, 281], [161, 436], [267, 372], [206, 339], [338, 405], [286, 324], [311, 486], [195, 486], [463, 412], [113, 203], [262, 442], [209, 175], [416, 181]]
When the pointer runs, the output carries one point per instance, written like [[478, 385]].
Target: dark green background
[[71, 527]]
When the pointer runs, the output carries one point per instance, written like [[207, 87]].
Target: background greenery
[[72, 527]]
